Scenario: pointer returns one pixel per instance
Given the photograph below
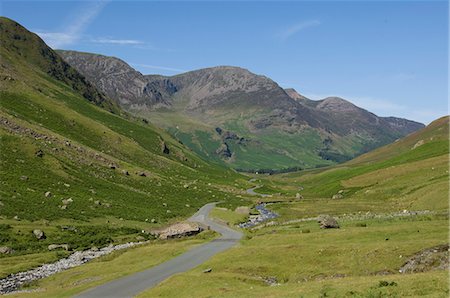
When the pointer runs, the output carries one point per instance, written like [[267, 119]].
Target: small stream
[[264, 214]]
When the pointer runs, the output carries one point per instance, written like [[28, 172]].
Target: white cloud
[[294, 29], [177, 70], [76, 28]]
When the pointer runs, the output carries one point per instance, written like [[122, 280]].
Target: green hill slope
[[411, 173], [67, 157]]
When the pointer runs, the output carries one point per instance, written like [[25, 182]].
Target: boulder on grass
[[6, 250], [328, 222], [39, 234]]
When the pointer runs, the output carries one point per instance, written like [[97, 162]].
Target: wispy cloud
[[76, 28], [156, 67], [294, 29], [117, 41]]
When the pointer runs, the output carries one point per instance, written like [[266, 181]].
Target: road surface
[[132, 285], [251, 191]]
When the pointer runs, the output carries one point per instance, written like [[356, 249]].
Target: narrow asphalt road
[[132, 285], [251, 191]]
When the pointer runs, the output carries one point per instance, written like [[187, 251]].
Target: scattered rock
[[6, 250], [140, 238], [16, 217], [271, 281], [39, 234], [67, 201], [48, 194], [208, 270], [337, 196], [14, 281], [112, 166], [23, 178], [434, 258], [327, 222], [57, 246], [39, 153], [298, 196], [97, 202], [125, 172], [142, 174]]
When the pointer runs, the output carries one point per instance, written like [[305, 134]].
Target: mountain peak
[[337, 104]]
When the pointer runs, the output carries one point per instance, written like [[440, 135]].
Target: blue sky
[[388, 57]]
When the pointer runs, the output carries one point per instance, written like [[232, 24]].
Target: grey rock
[[48, 194], [6, 250], [39, 153], [328, 222], [39, 234], [337, 196], [57, 246]]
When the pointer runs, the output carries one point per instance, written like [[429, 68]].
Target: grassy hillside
[[393, 204], [71, 166]]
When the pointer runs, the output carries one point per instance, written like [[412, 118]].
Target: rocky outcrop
[[327, 222], [434, 258], [224, 151], [117, 79], [178, 230]]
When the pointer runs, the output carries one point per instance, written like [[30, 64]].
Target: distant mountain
[[272, 128], [116, 79]]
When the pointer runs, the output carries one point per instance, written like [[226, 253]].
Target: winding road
[[132, 285]]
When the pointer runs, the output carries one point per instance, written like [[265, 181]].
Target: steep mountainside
[[63, 157], [266, 126], [118, 80], [18, 46]]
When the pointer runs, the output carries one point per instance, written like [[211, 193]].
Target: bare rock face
[[328, 222], [224, 151], [117, 79], [179, 230]]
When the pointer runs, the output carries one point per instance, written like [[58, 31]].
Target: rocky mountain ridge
[[249, 105]]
